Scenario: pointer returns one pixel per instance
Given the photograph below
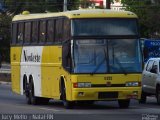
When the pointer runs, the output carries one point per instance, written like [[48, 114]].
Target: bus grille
[[112, 85], [106, 95]]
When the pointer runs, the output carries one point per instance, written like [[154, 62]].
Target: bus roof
[[83, 13]]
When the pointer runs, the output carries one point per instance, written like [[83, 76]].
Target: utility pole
[[108, 4], [65, 5]]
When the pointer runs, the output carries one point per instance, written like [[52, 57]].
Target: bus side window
[[67, 29], [27, 36], [20, 35], [14, 33], [35, 31], [50, 31], [42, 32], [59, 30]]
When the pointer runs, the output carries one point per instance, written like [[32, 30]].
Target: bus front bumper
[[106, 93]]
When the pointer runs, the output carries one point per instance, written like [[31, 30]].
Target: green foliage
[[39, 6], [85, 3], [34, 6], [5, 37], [148, 14]]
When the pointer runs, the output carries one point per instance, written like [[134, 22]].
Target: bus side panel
[[15, 68], [31, 67], [51, 67]]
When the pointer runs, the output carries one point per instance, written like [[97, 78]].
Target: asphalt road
[[14, 106]]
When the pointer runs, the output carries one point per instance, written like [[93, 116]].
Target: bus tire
[[67, 104], [34, 100], [25, 85], [143, 97], [124, 103], [158, 94], [27, 93]]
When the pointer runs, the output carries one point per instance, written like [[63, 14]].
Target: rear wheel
[[123, 103], [30, 97], [27, 92], [34, 100], [158, 94], [143, 98]]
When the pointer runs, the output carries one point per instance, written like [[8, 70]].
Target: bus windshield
[[106, 56], [104, 27]]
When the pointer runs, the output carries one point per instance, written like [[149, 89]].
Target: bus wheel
[[67, 104], [143, 98], [158, 94], [123, 103], [34, 100], [27, 93]]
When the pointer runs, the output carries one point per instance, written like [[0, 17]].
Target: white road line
[[50, 109], [29, 107]]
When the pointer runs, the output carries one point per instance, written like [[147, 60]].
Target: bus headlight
[[82, 85], [132, 84]]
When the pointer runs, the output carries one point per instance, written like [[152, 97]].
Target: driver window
[[154, 67], [149, 65]]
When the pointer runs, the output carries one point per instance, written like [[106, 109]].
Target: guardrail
[[5, 68], [5, 71]]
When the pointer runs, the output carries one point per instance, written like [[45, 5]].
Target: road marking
[[30, 107], [50, 109]]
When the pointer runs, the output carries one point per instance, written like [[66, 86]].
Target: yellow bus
[[76, 56]]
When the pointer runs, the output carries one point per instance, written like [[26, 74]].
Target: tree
[[148, 14], [5, 37], [39, 6]]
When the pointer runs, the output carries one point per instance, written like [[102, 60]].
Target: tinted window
[[27, 36], [20, 35], [59, 30], [42, 33], [50, 31], [102, 27], [14, 33], [67, 29], [35, 32]]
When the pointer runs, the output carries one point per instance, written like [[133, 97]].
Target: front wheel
[[67, 104], [123, 103]]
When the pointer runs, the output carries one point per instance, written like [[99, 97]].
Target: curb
[[5, 83]]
